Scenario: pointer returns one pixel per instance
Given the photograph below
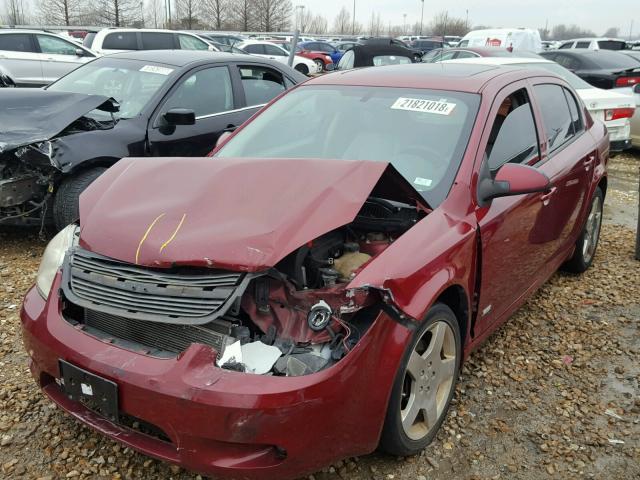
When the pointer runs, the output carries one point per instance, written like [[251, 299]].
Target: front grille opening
[[162, 340]]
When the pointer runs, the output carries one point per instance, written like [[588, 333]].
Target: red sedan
[[311, 292]]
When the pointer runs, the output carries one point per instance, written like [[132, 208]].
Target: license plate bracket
[[94, 392]]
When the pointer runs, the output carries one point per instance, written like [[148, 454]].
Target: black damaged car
[[54, 142]]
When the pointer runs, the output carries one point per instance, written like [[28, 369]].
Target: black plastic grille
[[105, 285]]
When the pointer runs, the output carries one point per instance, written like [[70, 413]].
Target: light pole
[[404, 24], [353, 20], [299, 16], [421, 17], [142, 13]]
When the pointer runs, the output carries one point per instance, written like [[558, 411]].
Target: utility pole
[[466, 22], [631, 30], [353, 20], [169, 12], [142, 13], [422, 17]]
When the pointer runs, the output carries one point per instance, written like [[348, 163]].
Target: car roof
[[439, 76], [25, 30], [178, 58], [590, 39]]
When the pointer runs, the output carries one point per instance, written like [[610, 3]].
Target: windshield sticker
[[423, 182], [156, 69], [426, 106]]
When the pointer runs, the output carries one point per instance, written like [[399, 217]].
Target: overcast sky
[[596, 15]]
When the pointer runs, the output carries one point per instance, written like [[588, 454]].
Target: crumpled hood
[[29, 115], [244, 214]]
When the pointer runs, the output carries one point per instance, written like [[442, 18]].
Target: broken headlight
[[53, 257]]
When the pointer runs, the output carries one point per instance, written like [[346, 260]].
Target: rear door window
[[574, 108], [583, 44], [16, 42], [55, 46], [556, 116], [157, 41], [120, 41], [274, 51], [255, 49], [189, 42], [261, 84]]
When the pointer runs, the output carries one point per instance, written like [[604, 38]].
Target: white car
[[612, 107], [33, 58], [599, 43], [508, 38], [276, 52], [116, 40]]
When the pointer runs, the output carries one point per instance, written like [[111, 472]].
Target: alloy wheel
[[428, 380], [320, 65], [592, 230]]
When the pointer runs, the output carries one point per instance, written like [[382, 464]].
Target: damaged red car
[[310, 292]]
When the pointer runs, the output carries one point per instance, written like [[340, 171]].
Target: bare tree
[[155, 13], [59, 12], [187, 12], [612, 32], [116, 13], [216, 12], [564, 32], [342, 23], [243, 14], [15, 12], [375, 25], [443, 24], [272, 15], [318, 24]]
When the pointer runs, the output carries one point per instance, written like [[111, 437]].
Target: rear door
[[59, 56], [20, 59], [210, 93], [568, 159]]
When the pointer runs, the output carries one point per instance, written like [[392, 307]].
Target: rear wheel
[[66, 203], [588, 240], [302, 68], [424, 384]]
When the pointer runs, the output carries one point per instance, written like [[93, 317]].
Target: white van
[[507, 38]]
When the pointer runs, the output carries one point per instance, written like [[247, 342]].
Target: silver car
[[32, 58]]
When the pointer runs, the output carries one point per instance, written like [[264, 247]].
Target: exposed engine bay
[[294, 319]]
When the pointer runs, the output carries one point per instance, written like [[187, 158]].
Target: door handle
[[547, 196], [589, 161]]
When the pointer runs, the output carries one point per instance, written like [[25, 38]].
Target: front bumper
[[219, 422]]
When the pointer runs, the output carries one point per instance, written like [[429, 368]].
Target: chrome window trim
[[230, 111]]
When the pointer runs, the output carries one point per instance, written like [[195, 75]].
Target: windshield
[[131, 83], [571, 78], [423, 133]]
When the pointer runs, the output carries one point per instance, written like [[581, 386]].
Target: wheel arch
[[602, 184], [456, 298]]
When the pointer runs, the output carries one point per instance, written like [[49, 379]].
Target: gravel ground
[[553, 394]]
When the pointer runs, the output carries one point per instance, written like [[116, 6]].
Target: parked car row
[[57, 140], [322, 274]]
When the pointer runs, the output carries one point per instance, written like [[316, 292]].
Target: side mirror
[[80, 52], [512, 179], [180, 116]]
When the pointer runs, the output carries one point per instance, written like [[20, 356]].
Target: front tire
[[424, 384], [320, 64], [66, 203], [588, 240]]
